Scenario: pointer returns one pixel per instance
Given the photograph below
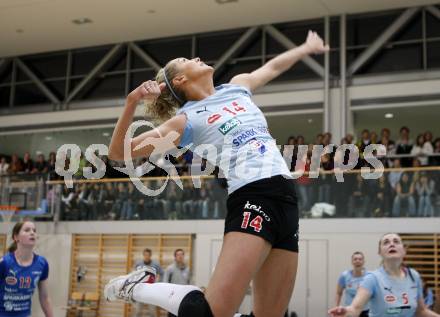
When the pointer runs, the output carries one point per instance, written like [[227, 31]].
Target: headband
[[171, 88]]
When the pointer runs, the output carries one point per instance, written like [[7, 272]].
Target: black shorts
[[266, 208]]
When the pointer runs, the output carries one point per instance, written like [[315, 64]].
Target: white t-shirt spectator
[[4, 167]]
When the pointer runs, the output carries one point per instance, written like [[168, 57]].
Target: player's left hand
[[315, 44]]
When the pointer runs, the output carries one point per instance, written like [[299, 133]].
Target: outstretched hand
[[315, 44], [149, 90], [339, 311]]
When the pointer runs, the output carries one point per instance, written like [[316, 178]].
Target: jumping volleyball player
[[261, 227], [21, 271]]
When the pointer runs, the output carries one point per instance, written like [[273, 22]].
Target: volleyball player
[[393, 290], [21, 271], [350, 280], [261, 227]]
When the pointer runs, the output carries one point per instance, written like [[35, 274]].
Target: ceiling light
[[81, 21], [310, 120], [389, 115], [106, 134], [48, 138]]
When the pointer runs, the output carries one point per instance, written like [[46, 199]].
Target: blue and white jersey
[[350, 284], [17, 284], [230, 131], [392, 296]]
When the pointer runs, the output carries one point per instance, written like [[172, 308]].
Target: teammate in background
[[148, 261], [350, 280], [393, 290], [21, 271], [261, 227]]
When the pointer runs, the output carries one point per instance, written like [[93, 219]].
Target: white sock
[[165, 295]]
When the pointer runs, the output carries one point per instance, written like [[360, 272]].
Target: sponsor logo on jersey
[[226, 127], [390, 298], [258, 146], [249, 206], [213, 118], [11, 280]]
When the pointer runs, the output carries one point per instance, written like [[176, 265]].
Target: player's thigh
[[273, 283], [241, 257]]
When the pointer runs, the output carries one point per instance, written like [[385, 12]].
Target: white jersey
[[230, 131]]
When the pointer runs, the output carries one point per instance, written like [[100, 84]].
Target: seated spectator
[[425, 190], [364, 141], [28, 164], [4, 166], [380, 194], [394, 176], [300, 140], [404, 147], [174, 201], [40, 165], [404, 195], [359, 198]]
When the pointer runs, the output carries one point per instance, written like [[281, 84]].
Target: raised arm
[[278, 65], [149, 90]]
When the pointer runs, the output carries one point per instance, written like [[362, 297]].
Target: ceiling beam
[[234, 49], [288, 44], [434, 11], [386, 35], [37, 81], [94, 72], [144, 56]]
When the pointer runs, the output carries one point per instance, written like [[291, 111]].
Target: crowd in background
[[397, 193]]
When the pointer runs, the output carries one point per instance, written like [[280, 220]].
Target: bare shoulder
[[176, 123], [241, 79]]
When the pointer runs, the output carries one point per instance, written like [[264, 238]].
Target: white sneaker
[[121, 287]]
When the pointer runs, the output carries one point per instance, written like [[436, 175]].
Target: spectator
[[418, 150], [358, 201], [349, 138], [428, 146], [28, 164], [425, 190], [178, 272], [325, 179], [373, 137], [174, 201], [404, 194], [40, 165], [319, 138], [300, 140], [128, 199], [364, 142], [304, 182], [404, 146], [4, 166], [326, 139], [435, 160], [16, 166], [380, 194], [395, 176], [148, 261]]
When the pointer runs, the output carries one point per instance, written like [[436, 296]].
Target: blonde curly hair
[[166, 104]]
